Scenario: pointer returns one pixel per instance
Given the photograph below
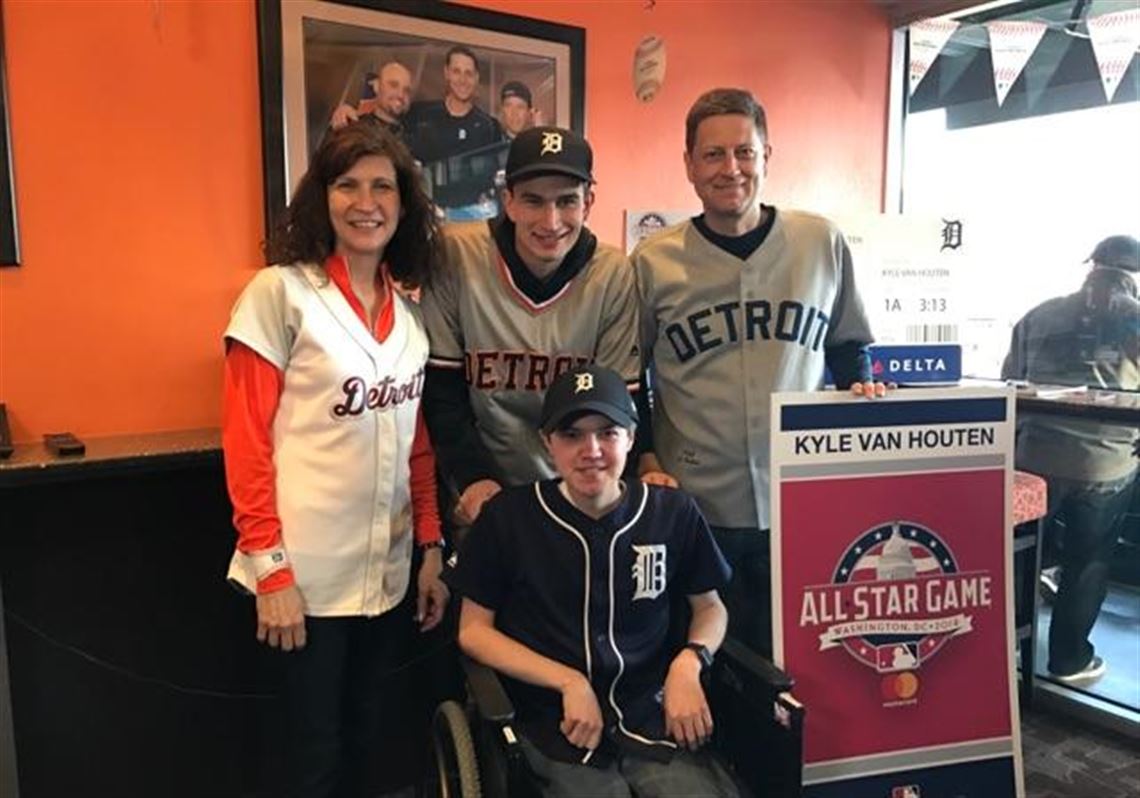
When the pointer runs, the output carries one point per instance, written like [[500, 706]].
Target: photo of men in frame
[[456, 105]]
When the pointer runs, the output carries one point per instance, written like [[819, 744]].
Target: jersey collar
[[741, 246], [615, 519]]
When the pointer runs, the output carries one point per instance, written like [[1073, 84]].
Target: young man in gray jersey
[[736, 303], [521, 300]]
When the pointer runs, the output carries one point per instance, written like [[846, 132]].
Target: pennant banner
[[927, 38], [1115, 38], [1011, 45]]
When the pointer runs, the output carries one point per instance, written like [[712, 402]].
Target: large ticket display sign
[[892, 580]]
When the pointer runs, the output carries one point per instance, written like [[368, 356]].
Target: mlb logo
[[901, 657], [909, 791]]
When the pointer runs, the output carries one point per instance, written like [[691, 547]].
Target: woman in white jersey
[[328, 463]]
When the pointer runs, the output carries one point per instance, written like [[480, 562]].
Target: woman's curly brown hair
[[305, 233]]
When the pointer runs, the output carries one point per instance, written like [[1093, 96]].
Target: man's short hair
[[460, 49], [719, 102], [390, 62]]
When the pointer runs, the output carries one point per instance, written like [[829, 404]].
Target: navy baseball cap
[[587, 389], [549, 151], [513, 88], [1118, 252]]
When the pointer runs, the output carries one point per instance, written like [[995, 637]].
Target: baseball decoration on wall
[[649, 68]]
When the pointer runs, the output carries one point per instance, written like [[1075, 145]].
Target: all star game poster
[[892, 574]]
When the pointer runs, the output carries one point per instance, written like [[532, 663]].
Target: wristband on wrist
[[268, 561]]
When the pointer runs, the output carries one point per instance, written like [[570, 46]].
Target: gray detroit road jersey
[[512, 348], [722, 334]]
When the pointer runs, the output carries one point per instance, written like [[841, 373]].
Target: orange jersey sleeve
[[425, 506], [251, 393]]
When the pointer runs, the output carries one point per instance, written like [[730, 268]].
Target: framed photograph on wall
[[9, 232], [456, 83]]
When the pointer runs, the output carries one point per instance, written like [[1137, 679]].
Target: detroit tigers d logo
[[649, 571], [551, 142]]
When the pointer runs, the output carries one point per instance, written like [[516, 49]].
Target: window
[[1037, 181]]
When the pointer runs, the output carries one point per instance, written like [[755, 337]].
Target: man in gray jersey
[[521, 300], [736, 303]]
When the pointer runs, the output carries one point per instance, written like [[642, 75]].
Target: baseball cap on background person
[[1117, 252], [549, 151], [1111, 287], [587, 389], [513, 88]]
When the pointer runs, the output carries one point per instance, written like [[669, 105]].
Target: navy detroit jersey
[[593, 594]]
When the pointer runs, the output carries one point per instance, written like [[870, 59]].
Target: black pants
[[749, 594], [1092, 512], [340, 691]]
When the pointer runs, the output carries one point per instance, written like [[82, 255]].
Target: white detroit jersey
[[722, 334], [511, 348], [342, 438]]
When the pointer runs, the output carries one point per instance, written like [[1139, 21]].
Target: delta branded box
[[917, 363], [913, 364]]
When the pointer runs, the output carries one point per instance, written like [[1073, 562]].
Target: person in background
[[391, 91], [439, 129], [328, 463], [738, 302], [605, 701], [457, 142], [516, 109], [1091, 338]]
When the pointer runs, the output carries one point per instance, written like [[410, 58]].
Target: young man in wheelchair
[[569, 587]]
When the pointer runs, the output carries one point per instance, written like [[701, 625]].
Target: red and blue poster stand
[[892, 590]]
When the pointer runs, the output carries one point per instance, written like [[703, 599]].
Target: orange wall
[[820, 67], [136, 147]]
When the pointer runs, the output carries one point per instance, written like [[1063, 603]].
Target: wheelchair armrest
[[487, 692], [755, 666], [759, 723]]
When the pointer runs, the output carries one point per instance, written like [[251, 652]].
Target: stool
[[1030, 504]]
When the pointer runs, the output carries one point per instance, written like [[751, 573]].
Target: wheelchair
[[758, 733]]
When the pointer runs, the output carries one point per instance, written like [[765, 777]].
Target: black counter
[[1117, 407], [133, 666]]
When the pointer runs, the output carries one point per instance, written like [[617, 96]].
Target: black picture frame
[[287, 122], [9, 231]]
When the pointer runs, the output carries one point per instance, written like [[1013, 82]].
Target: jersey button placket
[[755, 394], [380, 534]]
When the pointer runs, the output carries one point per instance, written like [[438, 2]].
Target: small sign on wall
[[641, 224]]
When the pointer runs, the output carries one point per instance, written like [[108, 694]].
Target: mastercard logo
[[899, 686]]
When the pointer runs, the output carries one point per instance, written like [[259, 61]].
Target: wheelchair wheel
[[456, 768]]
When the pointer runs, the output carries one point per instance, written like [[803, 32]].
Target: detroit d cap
[[587, 389], [1118, 252], [549, 151]]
